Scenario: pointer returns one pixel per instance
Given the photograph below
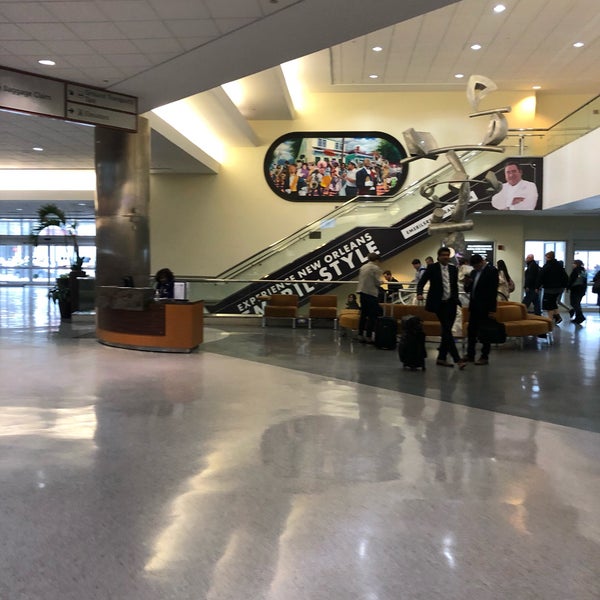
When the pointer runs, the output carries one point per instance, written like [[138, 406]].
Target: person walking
[[369, 282], [482, 286], [442, 299], [553, 279], [596, 287], [532, 295], [505, 284], [577, 286]]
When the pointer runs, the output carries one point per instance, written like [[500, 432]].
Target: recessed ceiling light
[[578, 45], [377, 48], [476, 47], [499, 8], [373, 76], [47, 62], [19, 209], [459, 75], [38, 149], [536, 87]]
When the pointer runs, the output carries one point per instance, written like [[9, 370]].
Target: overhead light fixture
[[578, 45], [499, 8], [38, 149], [536, 87], [46, 62], [373, 76], [459, 75], [476, 47], [377, 48]]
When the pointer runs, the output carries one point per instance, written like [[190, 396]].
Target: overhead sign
[[102, 98], [64, 100], [32, 94], [101, 116]]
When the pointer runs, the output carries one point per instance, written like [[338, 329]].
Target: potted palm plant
[[50, 215], [65, 291], [61, 293]]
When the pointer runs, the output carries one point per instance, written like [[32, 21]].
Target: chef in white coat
[[516, 193]]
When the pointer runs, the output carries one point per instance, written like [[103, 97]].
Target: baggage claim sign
[[337, 261]]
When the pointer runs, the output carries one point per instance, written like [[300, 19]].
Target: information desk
[[146, 324]]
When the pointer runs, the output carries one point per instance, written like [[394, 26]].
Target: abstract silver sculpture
[[421, 144]]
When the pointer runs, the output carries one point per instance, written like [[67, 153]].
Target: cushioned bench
[[520, 323], [348, 318], [517, 321]]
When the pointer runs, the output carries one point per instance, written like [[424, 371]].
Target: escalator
[[330, 251]]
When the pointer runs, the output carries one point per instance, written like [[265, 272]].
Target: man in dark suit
[[483, 289], [442, 299]]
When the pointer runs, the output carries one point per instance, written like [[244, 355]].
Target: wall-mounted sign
[[485, 249], [44, 96], [335, 166]]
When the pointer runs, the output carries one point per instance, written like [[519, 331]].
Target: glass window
[[20, 262]]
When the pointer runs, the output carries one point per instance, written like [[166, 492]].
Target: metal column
[[122, 204]]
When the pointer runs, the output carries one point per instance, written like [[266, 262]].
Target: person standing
[[364, 179], [483, 288], [419, 270], [369, 282], [505, 283], [350, 180], [553, 279], [532, 295], [577, 286], [442, 299]]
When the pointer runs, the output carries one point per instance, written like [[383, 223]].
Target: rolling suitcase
[[411, 349], [386, 331]]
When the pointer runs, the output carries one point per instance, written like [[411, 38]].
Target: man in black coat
[[483, 289], [442, 299], [532, 294]]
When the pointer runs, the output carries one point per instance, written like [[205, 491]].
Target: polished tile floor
[[293, 465]]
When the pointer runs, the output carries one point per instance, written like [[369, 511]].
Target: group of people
[[442, 299], [479, 285], [330, 177], [552, 278]]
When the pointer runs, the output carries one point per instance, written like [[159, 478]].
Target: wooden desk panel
[[164, 327]]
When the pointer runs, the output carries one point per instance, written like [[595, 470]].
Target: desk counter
[[163, 326]]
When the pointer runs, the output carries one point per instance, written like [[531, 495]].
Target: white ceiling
[[164, 50]]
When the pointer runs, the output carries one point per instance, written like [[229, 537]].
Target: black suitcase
[[411, 349], [492, 331], [386, 331]]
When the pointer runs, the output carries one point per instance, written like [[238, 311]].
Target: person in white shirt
[[516, 193]]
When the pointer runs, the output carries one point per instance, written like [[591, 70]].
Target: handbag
[[492, 331], [511, 286]]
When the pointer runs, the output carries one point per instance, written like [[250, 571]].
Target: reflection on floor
[[293, 465]]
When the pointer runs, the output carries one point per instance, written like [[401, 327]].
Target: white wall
[[572, 173], [201, 225]]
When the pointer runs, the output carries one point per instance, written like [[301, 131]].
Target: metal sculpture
[[421, 144]]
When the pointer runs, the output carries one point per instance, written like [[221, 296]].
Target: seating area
[[323, 306], [517, 321], [281, 306]]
